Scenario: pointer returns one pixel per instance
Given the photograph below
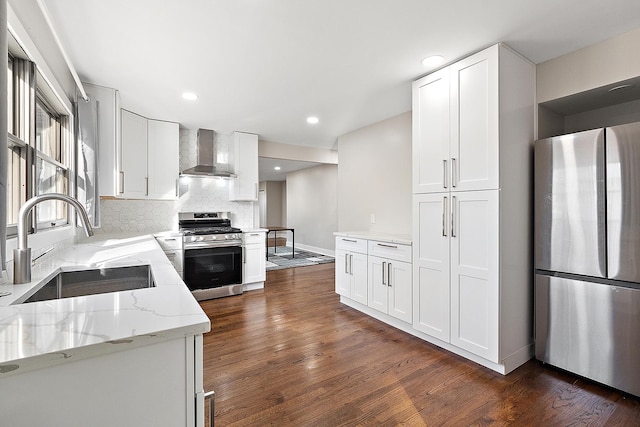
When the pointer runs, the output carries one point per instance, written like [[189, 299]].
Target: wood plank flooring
[[292, 355]]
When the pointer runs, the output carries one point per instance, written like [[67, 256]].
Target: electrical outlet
[[373, 218]]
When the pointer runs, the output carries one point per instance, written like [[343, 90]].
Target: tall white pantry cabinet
[[473, 133]]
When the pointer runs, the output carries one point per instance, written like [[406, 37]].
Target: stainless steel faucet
[[22, 254]]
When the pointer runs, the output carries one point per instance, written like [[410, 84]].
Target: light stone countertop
[[402, 239], [46, 333]]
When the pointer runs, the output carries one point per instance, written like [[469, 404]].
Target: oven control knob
[[200, 238]]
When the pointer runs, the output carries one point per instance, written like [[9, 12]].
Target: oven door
[[212, 267]]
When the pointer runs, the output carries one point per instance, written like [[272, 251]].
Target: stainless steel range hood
[[206, 165]]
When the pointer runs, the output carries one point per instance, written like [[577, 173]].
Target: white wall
[[311, 206], [610, 61], [276, 206], [374, 177]]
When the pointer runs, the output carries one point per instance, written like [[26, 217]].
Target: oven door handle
[[207, 245]]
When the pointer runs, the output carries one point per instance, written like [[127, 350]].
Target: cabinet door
[[399, 285], [431, 159], [108, 111], [358, 269], [474, 122], [254, 266], [245, 185], [343, 278], [378, 288], [431, 213], [163, 155], [474, 273], [132, 179]]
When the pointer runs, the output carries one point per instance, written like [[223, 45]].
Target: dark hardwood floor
[[291, 354]]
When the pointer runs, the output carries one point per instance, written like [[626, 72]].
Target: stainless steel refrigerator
[[587, 238]]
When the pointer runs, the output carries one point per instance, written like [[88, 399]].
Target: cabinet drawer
[[255, 237], [351, 244], [170, 243], [393, 251], [177, 259]]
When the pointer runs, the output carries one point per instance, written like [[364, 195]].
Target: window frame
[[25, 159]]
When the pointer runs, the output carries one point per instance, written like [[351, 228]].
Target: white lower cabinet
[[158, 384], [390, 284], [351, 268], [254, 257], [456, 296], [351, 275], [474, 273], [375, 274]]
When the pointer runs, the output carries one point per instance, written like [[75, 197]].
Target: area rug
[[282, 258]]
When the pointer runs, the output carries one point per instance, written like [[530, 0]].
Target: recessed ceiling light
[[277, 168], [190, 96], [432, 61], [312, 120], [620, 87]]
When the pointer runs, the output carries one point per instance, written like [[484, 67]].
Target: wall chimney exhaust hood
[[206, 165]]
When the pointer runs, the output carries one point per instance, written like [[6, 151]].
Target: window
[[39, 147], [51, 165]]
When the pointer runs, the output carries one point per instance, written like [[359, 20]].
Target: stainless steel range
[[212, 254]]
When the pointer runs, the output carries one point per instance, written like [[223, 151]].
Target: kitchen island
[[122, 358]]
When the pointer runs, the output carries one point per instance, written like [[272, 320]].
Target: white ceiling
[[263, 66]]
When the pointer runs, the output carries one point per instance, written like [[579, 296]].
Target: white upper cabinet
[[455, 126], [474, 122], [431, 133], [245, 186], [108, 132], [132, 157], [148, 155], [162, 159]]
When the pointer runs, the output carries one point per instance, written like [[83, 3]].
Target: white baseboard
[[309, 248]]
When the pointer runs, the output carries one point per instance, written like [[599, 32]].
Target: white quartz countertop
[[402, 239], [254, 230], [45, 333]]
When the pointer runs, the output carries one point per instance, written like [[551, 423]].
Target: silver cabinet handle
[[384, 263], [346, 264], [389, 274], [146, 184], [210, 396], [350, 240], [444, 173], [177, 186], [387, 246], [351, 265], [453, 172], [244, 256], [453, 216], [170, 239], [444, 214], [254, 234], [121, 182]]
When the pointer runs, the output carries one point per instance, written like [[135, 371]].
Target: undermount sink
[[68, 284]]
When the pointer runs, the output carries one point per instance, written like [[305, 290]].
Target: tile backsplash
[[196, 194]]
